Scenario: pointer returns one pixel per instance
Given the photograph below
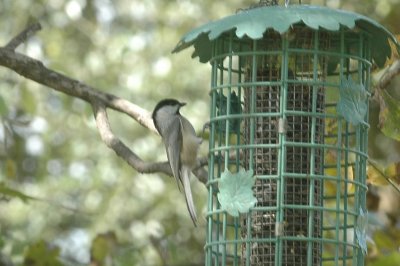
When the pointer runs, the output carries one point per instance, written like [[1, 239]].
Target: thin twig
[[23, 36], [388, 179]]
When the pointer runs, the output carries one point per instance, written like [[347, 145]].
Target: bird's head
[[164, 110]]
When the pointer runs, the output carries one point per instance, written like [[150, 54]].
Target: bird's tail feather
[[188, 195]]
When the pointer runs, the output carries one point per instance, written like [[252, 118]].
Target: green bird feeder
[[288, 133]]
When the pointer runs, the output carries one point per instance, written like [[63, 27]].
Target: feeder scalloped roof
[[254, 22]]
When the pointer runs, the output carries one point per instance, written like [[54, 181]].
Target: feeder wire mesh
[[283, 84], [297, 126]]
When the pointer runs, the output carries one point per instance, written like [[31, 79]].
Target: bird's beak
[[182, 104]]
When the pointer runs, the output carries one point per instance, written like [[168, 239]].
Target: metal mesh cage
[[274, 111], [298, 129]]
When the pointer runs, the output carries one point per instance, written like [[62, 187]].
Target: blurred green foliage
[[39, 254], [50, 148]]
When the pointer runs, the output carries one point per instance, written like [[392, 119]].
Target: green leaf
[[390, 117], [235, 192], [352, 103], [102, 247], [12, 193], [386, 238], [41, 254], [392, 259]]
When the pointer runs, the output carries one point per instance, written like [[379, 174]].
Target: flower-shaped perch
[[235, 192], [361, 230], [352, 104]]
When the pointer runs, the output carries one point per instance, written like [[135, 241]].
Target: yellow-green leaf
[[102, 247], [389, 117], [41, 254]]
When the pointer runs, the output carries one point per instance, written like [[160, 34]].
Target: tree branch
[[35, 70], [23, 36], [119, 147], [390, 73]]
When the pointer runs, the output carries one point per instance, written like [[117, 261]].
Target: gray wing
[[189, 155], [188, 194], [173, 144]]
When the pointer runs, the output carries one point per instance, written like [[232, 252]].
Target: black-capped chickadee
[[181, 144]]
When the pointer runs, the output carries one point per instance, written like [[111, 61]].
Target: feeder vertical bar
[[251, 151], [220, 142], [239, 95], [241, 90], [282, 151], [227, 142], [348, 132], [368, 70], [253, 103], [325, 40], [312, 159], [359, 159], [364, 144], [228, 105], [211, 177], [211, 156], [346, 167], [235, 247], [339, 156], [346, 191], [338, 193], [223, 261], [357, 255], [367, 54], [236, 220]]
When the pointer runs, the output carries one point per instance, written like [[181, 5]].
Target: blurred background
[[89, 206]]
